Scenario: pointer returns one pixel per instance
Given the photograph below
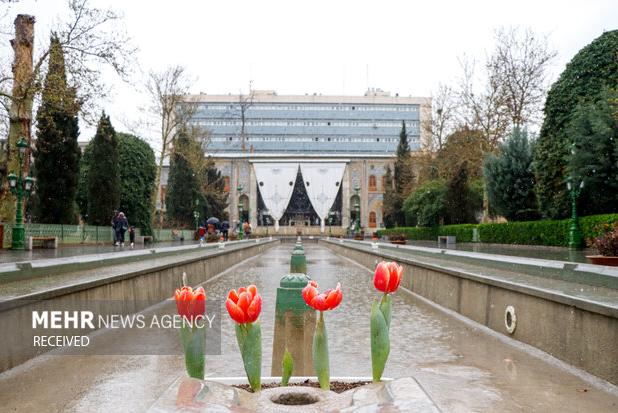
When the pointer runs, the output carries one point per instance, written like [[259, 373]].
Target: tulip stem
[[320, 353], [249, 337], [380, 341], [194, 343]]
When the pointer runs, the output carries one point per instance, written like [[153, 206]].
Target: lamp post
[[240, 208], [21, 188], [575, 233], [357, 208]]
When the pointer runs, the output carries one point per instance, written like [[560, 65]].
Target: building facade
[[307, 160]]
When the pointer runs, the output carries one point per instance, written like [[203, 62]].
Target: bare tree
[[520, 63], [168, 92], [443, 117]]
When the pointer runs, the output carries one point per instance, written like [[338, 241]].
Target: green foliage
[[214, 198], [287, 366], [460, 202], [56, 157], [182, 183], [401, 182], [594, 132], [593, 69], [543, 232], [425, 206], [137, 177], [463, 232], [81, 197], [103, 175], [510, 179]]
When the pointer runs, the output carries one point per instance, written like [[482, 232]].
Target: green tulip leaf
[[287, 366], [380, 342], [320, 354], [249, 338]]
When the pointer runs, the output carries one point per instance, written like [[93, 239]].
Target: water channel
[[461, 367]]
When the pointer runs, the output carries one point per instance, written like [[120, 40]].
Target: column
[[345, 198], [233, 200], [252, 196], [364, 196]]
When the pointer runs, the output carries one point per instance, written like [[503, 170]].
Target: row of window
[[308, 107], [307, 139], [374, 124]]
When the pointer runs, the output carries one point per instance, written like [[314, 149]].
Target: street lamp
[[240, 208], [21, 188], [575, 233]]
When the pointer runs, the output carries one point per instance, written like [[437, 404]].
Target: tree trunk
[[20, 112]]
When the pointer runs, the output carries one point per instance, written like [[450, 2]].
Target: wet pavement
[[69, 250], [462, 368], [530, 251]]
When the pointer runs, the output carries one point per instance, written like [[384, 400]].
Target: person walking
[[132, 235], [120, 227]]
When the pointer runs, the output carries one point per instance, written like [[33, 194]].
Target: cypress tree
[[182, 185], [137, 179], [56, 162], [214, 196], [103, 175], [404, 176], [402, 182]]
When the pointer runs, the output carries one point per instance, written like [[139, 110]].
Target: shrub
[[545, 232], [607, 244]]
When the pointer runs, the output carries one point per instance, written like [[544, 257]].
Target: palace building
[[293, 161]]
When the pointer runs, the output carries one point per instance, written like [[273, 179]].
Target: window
[[372, 219], [226, 183], [372, 182]]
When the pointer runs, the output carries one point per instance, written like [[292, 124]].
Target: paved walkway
[[70, 250], [462, 368]]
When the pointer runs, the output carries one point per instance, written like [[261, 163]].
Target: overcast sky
[[328, 47]]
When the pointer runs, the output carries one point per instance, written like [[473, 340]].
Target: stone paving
[[460, 367], [68, 250]]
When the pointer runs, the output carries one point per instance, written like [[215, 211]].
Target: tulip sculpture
[[244, 307], [386, 279], [191, 305], [328, 300]]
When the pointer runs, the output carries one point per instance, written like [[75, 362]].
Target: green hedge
[[545, 232], [463, 232]]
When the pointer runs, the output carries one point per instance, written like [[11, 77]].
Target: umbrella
[[213, 221]]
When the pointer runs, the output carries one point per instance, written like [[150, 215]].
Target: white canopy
[[274, 185], [322, 181]]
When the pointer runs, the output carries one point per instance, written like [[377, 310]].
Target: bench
[[446, 240], [46, 242]]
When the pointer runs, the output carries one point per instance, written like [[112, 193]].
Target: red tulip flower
[[387, 277], [328, 300], [245, 305], [191, 303]]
